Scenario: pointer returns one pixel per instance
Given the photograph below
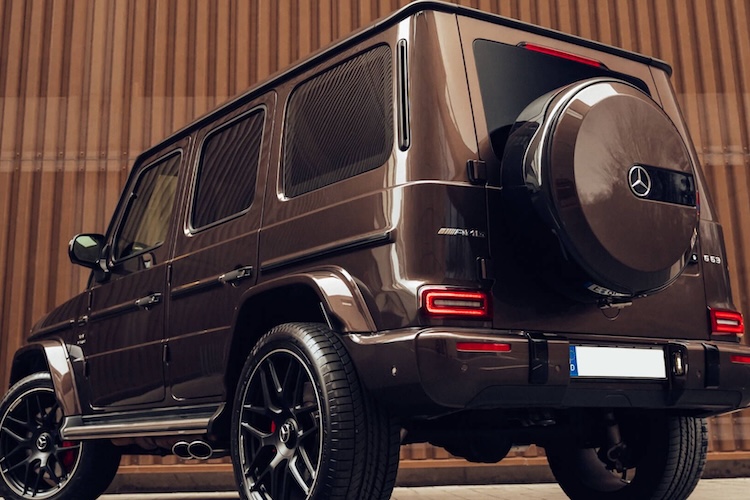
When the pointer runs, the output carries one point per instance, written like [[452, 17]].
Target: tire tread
[[363, 440]]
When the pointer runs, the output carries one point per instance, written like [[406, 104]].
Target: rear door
[[216, 249]]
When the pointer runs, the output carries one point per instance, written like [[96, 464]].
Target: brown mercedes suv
[[449, 227]]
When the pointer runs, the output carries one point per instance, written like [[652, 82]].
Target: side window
[[339, 123], [149, 210], [228, 169]]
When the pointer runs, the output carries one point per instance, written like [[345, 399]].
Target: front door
[[124, 337]]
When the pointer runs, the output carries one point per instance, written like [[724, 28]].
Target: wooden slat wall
[[86, 85]]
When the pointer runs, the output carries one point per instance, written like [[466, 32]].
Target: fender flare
[[337, 290], [56, 357]]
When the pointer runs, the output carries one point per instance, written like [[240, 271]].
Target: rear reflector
[[740, 359], [482, 347], [440, 302], [725, 322], [562, 54]]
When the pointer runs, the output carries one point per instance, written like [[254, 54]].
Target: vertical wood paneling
[[284, 36], [5, 21], [241, 45], [263, 39], [224, 75], [86, 85], [11, 57]]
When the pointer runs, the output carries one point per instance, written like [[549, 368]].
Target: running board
[[162, 422]]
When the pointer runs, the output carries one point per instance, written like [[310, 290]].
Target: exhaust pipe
[[180, 448], [198, 450]]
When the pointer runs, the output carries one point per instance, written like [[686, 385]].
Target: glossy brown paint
[[203, 294], [364, 246]]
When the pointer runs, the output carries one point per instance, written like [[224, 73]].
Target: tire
[[36, 462], [304, 428], [669, 456]]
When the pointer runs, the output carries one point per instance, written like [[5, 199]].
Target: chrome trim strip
[[75, 428], [157, 422]]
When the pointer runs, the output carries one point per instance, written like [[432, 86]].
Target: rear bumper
[[420, 372]]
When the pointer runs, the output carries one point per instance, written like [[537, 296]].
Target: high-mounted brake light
[[456, 303], [482, 347], [562, 54], [725, 322]]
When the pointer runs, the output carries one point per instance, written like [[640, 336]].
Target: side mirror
[[86, 250]]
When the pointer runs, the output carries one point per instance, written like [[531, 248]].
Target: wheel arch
[[51, 356], [324, 295], [27, 361]]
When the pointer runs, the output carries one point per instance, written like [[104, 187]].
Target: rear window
[[512, 77]]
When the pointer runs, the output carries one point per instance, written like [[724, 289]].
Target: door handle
[[236, 275], [148, 301]]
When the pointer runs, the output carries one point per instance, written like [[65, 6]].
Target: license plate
[[617, 362]]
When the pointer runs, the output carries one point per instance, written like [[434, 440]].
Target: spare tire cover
[[599, 191]]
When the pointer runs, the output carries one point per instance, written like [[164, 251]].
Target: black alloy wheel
[[300, 429], [35, 461], [280, 429]]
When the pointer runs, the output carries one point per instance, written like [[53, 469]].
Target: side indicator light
[[562, 54], [482, 347], [471, 304], [725, 322], [745, 360]]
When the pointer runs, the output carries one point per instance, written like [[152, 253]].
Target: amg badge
[[455, 231]]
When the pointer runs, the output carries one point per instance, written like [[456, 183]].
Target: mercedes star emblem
[[640, 181], [43, 441], [285, 432]]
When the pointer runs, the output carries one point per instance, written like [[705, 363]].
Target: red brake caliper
[[68, 457]]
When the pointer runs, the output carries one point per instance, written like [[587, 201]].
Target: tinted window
[[339, 123], [511, 78], [149, 210], [228, 170]]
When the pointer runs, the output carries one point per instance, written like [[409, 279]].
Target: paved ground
[[709, 489]]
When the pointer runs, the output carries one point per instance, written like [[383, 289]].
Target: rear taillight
[[562, 54], [455, 303], [726, 322]]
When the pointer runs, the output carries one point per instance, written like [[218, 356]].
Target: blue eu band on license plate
[[617, 362]]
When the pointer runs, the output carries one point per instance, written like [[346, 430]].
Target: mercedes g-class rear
[[572, 288]]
